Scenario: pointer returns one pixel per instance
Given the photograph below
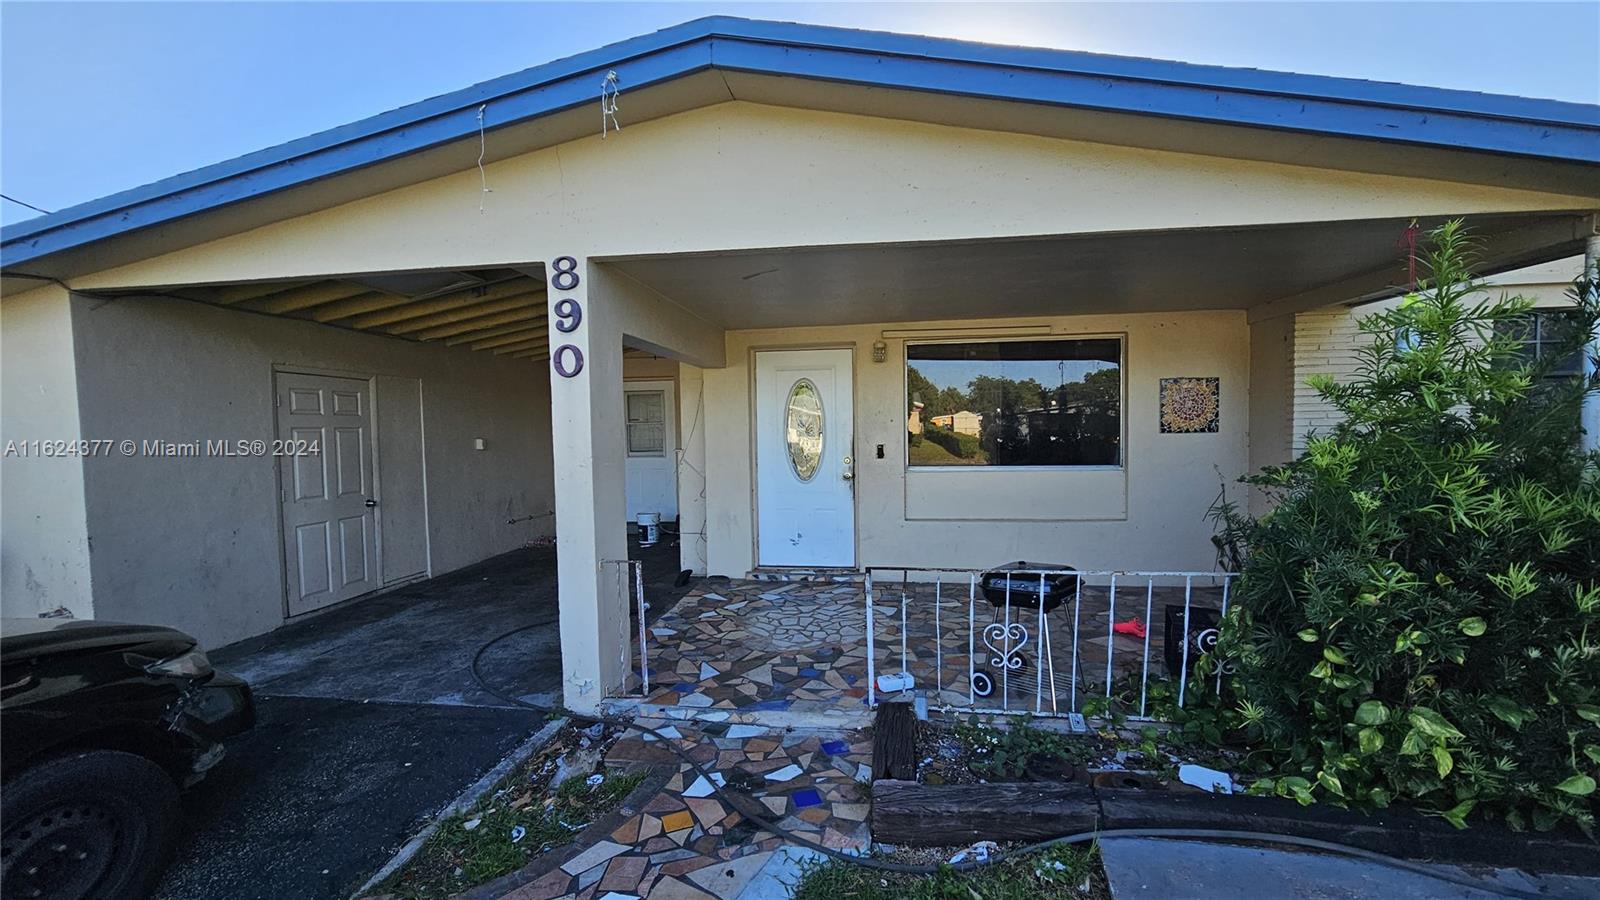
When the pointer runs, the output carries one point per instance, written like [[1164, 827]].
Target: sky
[[959, 373], [100, 97]]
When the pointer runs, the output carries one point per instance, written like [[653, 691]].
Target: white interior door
[[805, 436], [329, 532], [652, 443]]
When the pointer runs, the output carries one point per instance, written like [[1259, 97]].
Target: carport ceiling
[[1108, 273], [499, 311]]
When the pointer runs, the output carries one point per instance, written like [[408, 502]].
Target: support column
[[586, 436], [1591, 402], [44, 532]]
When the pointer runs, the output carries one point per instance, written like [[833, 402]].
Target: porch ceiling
[[498, 311], [1095, 274]]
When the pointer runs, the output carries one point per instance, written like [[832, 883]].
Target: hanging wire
[[483, 146], [28, 205], [608, 104]]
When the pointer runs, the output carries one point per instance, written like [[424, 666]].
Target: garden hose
[[1220, 835]]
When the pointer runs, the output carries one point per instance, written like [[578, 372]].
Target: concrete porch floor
[[415, 644], [760, 651]]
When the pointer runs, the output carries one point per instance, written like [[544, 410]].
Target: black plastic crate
[[1202, 637]]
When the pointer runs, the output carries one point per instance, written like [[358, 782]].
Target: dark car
[[100, 725]]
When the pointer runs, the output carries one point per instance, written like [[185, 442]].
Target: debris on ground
[[1062, 872], [1206, 778], [978, 853], [539, 807], [1132, 627]]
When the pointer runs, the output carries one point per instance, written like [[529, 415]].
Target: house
[[330, 367], [963, 422]]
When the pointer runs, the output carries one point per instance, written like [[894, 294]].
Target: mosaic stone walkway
[[739, 649], [686, 843], [748, 646]]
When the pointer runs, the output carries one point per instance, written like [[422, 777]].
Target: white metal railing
[[1022, 624]]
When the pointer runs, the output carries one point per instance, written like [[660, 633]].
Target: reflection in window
[[803, 429], [1015, 403], [647, 423]]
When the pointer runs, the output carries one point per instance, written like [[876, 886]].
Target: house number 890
[[567, 358]]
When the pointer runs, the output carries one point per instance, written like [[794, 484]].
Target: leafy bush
[[962, 445], [1418, 618]]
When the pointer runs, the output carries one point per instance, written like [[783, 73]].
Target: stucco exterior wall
[[1271, 398], [195, 543], [741, 175], [1151, 514], [44, 542]]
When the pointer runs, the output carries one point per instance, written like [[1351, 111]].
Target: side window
[[1542, 334], [647, 419]]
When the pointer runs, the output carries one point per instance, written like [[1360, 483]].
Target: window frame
[[1121, 337], [627, 425], [1538, 319]]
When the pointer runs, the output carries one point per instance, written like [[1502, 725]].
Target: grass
[[1060, 871], [928, 453], [457, 857]]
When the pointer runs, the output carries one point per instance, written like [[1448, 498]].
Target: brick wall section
[[1325, 343]]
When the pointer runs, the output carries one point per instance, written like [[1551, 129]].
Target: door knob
[[372, 503], [849, 475]]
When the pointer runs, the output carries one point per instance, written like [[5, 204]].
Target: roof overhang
[[1497, 138]]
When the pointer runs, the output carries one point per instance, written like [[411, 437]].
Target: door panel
[[312, 558], [805, 438], [651, 441], [329, 527]]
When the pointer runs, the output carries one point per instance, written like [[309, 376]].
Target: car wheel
[[99, 824]]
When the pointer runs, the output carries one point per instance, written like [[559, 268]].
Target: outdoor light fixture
[[880, 351]]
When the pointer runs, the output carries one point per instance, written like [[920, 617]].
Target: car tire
[[98, 824]]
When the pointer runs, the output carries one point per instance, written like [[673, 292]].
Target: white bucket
[[649, 529]]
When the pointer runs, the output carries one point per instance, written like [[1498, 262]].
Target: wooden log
[[948, 815], [894, 743]]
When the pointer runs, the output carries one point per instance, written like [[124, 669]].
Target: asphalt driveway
[[370, 722]]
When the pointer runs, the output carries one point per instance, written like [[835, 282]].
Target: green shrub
[[1418, 618], [1019, 751], [962, 445]]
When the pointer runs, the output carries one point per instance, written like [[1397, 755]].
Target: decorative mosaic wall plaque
[[1190, 405]]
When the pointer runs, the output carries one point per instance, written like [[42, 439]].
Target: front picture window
[[1055, 402]]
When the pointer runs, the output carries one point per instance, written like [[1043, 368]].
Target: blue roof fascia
[[1308, 103], [1573, 141], [1164, 71]]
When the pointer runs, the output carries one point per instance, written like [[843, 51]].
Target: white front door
[[805, 436], [652, 443], [330, 538]]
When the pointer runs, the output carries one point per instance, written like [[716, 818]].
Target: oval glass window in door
[[803, 429]]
